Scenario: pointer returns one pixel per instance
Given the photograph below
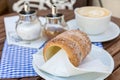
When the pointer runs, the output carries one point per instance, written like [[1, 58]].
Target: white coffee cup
[[93, 20]]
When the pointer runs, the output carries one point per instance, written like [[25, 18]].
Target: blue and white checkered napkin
[[16, 61]]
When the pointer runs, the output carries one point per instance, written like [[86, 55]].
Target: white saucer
[[112, 32], [96, 52]]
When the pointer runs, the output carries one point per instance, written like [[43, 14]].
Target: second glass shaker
[[55, 24]]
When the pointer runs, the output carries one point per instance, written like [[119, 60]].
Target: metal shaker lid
[[54, 17], [27, 14], [54, 13], [26, 9]]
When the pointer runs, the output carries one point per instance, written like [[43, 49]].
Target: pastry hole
[[51, 51]]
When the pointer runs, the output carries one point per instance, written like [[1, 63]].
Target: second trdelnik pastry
[[75, 43]]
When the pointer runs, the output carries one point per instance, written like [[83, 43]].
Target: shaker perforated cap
[[26, 7]]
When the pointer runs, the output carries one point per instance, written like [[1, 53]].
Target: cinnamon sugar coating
[[76, 44]]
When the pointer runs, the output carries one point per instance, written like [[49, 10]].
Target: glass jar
[[28, 26], [54, 25]]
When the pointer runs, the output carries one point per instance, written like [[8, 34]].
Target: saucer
[[111, 33], [96, 52]]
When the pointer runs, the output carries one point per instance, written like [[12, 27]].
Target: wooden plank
[[2, 30], [110, 43], [2, 34], [0, 54], [32, 78], [1, 46], [1, 43], [2, 26], [117, 60], [114, 48], [2, 39], [115, 75], [116, 20]]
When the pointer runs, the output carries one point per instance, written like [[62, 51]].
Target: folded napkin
[[16, 61], [59, 65], [12, 37]]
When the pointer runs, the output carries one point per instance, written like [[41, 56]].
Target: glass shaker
[[55, 24], [28, 26]]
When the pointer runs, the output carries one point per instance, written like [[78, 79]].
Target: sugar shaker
[[28, 26]]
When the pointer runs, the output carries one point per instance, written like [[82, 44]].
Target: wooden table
[[113, 46]]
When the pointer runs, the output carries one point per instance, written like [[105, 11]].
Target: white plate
[[96, 52], [112, 32]]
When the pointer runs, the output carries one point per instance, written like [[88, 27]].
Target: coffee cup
[[93, 20]]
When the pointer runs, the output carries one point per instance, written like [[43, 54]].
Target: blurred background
[[113, 5], [6, 5]]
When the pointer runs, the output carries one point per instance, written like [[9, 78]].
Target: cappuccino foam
[[93, 12]]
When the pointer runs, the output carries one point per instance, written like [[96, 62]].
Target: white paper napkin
[[59, 65], [12, 37]]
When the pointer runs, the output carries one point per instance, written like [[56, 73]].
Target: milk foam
[[94, 12]]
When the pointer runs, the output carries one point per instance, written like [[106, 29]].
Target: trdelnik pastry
[[75, 43]]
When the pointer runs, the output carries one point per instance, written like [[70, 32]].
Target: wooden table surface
[[113, 46]]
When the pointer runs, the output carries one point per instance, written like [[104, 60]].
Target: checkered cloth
[[16, 61]]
